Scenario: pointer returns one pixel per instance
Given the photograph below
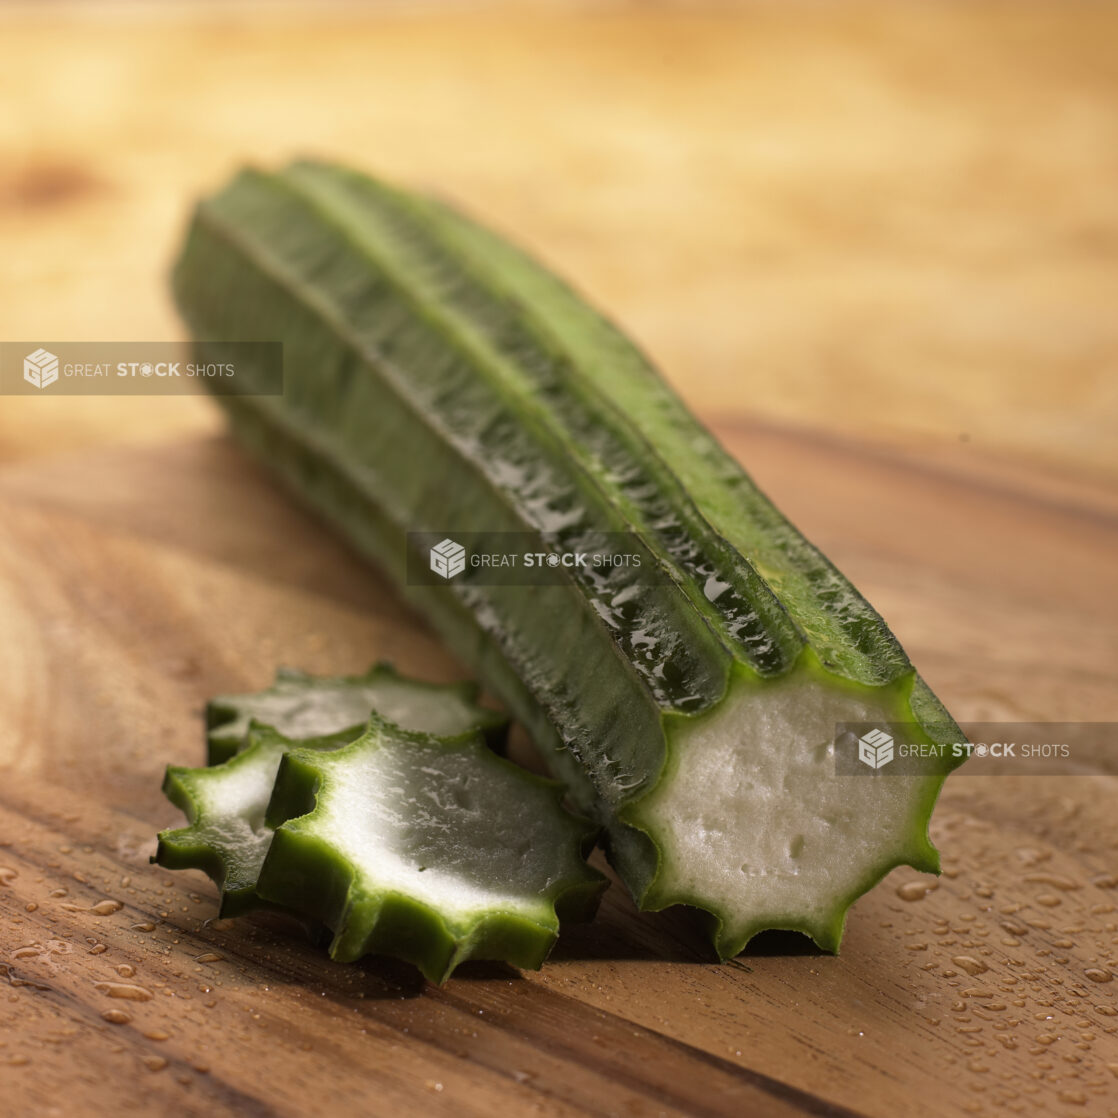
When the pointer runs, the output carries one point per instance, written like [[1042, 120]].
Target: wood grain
[[136, 582]]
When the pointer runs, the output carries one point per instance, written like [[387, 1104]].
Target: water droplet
[[1095, 974], [970, 964], [1057, 881], [209, 957], [154, 1063], [157, 1034], [116, 1017], [124, 990], [98, 949], [105, 908], [125, 970], [916, 890], [143, 927], [7, 875], [1049, 900]]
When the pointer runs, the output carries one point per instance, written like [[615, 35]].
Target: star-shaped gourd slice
[[227, 836], [225, 803], [434, 850], [299, 705]]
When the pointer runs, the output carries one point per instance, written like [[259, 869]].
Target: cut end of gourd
[[754, 826]]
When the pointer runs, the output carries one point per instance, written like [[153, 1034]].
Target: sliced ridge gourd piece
[[225, 803], [300, 705], [399, 331], [226, 836], [431, 849]]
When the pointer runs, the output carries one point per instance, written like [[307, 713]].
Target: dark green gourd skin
[[438, 380]]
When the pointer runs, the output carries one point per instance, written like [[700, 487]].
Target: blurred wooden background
[[897, 220]]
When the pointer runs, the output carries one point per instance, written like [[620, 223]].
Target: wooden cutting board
[[136, 582]]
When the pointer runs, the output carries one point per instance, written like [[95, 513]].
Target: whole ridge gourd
[[438, 379]]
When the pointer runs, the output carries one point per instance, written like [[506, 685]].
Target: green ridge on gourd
[[438, 379]]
